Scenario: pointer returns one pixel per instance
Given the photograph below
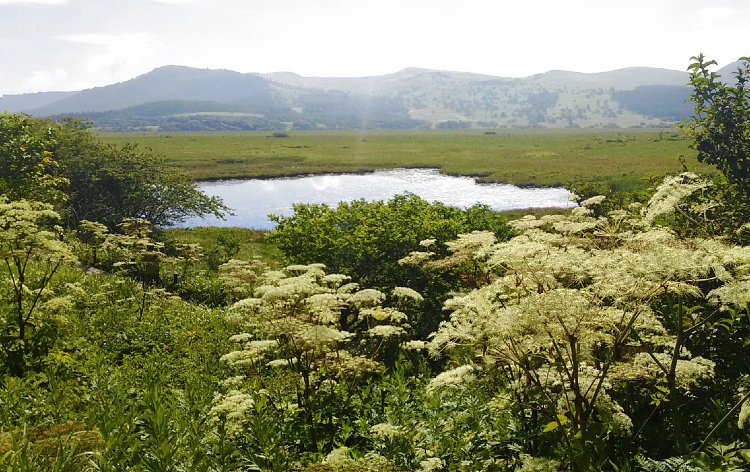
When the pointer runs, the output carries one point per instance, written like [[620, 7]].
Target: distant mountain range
[[174, 98]]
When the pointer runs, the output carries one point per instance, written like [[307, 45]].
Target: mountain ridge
[[408, 71], [411, 97]]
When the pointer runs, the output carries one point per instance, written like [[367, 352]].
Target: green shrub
[[366, 240]]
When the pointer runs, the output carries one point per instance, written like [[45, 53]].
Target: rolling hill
[[164, 84], [185, 98]]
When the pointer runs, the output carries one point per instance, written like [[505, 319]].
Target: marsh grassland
[[617, 159]]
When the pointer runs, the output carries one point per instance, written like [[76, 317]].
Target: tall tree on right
[[720, 129], [721, 124]]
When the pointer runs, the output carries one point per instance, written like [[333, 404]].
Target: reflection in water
[[252, 200]]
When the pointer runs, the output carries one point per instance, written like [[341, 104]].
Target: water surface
[[252, 200]]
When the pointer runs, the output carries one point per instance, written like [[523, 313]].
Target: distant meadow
[[611, 159]]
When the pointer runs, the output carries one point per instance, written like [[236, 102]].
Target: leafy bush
[[28, 168], [365, 240], [613, 337], [65, 164], [720, 129]]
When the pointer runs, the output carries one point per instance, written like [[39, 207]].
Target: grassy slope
[[522, 157]]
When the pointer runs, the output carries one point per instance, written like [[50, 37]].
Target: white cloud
[[716, 14], [47, 80], [35, 2], [103, 59], [350, 38], [118, 54]]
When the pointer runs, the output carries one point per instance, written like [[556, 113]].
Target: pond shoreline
[[252, 200], [476, 176]]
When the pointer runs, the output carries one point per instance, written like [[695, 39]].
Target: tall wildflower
[[31, 252], [320, 333], [567, 308], [240, 276], [671, 192]]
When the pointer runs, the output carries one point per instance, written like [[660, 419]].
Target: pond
[[252, 200]]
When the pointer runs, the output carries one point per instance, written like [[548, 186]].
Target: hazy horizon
[[70, 45], [329, 77]]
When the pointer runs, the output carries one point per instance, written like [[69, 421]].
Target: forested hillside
[[397, 335], [668, 102], [176, 98]]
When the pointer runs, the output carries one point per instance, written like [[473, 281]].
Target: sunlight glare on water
[[252, 200]]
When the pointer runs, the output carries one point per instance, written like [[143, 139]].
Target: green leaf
[[551, 426]]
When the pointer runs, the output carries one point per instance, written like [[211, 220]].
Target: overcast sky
[[75, 44]]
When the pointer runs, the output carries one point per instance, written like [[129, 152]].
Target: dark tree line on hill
[[667, 102], [315, 109]]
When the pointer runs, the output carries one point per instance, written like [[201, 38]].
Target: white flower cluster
[[596, 200], [240, 276], [367, 297], [474, 245], [231, 409], [251, 352], [735, 293], [538, 464], [385, 431], [671, 192], [406, 292], [383, 314], [295, 321], [569, 288], [386, 331], [416, 257], [431, 464], [339, 457], [335, 279], [688, 371], [460, 375]]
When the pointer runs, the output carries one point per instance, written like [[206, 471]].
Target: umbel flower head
[[301, 322], [569, 294]]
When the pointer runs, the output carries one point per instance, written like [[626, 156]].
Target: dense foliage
[[721, 135], [28, 168], [584, 343], [611, 337], [365, 240], [87, 179], [587, 319], [720, 127]]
